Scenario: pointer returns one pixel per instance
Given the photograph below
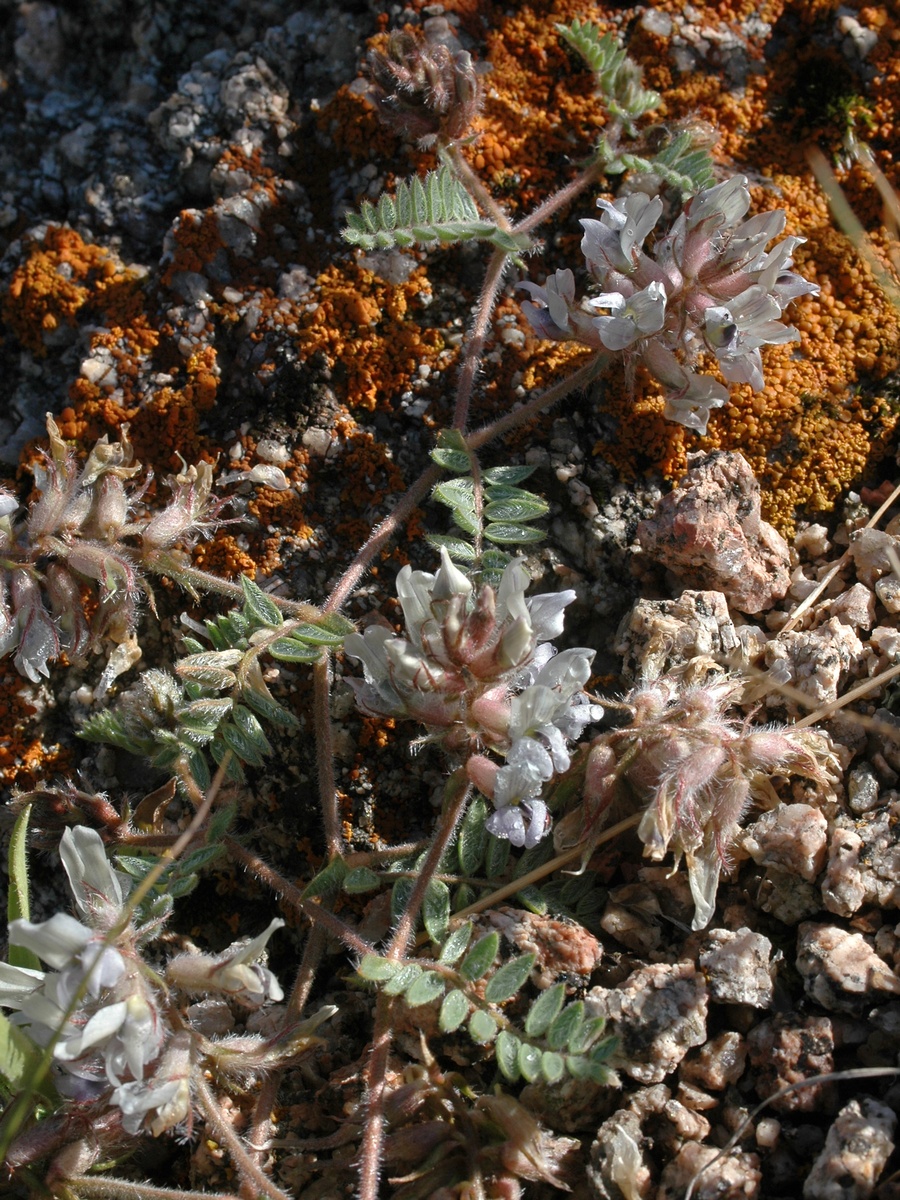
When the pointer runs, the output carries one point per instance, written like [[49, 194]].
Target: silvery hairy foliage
[[84, 535], [707, 285], [478, 669]]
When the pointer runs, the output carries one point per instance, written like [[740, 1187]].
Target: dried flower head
[[425, 90], [708, 285], [83, 534], [696, 770]]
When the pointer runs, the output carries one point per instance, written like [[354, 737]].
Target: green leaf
[[480, 958], [451, 460], [436, 208], [544, 1010], [425, 989], [454, 492], [19, 1057], [553, 1066], [565, 1028], [289, 650], [482, 1027], [455, 946], [244, 747], [507, 1051], [507, 981], [259, 605], [515, 510], [376, 968], [400, 894], [328, 882], [508, 534], [268, 708], [454, 1010], [530, 1061], [497, 857], [507, 475], [436, 910], [473, 837], [581, 1042], [17, 902], [317, 635], [404, 978], [533, 899], [458, 550], [361, 879], [249, 725]]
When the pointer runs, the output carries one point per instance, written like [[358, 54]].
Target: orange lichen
[[369, 327], [61, 275]]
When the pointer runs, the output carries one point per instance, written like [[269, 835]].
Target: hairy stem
[[376, 1073], [243, 1162], [100, 1187], [380, 535], [477, 336], [317, 913], [328, 798]]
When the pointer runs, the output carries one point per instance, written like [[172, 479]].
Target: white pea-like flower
[[707, 284]]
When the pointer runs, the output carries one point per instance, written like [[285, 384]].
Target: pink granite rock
[[710, 534]]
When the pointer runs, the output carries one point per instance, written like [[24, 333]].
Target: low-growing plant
[[119, 1031]]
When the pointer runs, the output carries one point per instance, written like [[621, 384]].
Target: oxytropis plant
[[135, 1033]]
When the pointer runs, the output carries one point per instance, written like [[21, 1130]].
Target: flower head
[[708, 284], [477, 668]]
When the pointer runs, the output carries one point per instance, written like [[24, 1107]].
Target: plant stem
[[99, 1187], [244, 1164], [328, 798], [382, 533], [316, 913], [376, 1074]]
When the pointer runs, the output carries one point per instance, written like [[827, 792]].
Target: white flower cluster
[[709, 284], [478, 670], [97, 1005]]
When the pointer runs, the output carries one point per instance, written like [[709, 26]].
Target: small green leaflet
[[479, 959], [506, 982], [454, 1010]]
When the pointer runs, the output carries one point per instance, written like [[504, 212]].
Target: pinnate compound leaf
[[425, 989], [435, 209], [456, 944], [507, 1051], [454, 1010], [506, 982], [544, 1010], [436, 910], [259, 605], [479, 959], [482, 1027]]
